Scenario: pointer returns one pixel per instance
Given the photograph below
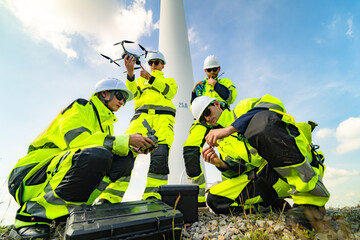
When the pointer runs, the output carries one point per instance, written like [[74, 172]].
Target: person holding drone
[[225, 92], [154, 112]]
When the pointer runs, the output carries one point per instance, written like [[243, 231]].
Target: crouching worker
[[73, 160], [271, 158]]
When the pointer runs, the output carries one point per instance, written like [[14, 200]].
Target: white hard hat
[[113, 84], [211, 62], [199, 105], [156, 55]]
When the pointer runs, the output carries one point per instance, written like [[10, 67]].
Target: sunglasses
[[120, 96], [156, 62], [212, 69], [206, 113]]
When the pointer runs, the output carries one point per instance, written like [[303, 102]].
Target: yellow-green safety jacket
[[210, 91], [158, 91], [307, 189], [237, 153], [229, 116], [83, 123]]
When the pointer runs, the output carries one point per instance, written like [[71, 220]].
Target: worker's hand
[[217, 134], [129, 62], [139, 142], [198, 83], [211, 82], [210, 156], [145, 74]]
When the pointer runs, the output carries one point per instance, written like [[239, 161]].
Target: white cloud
[[334, 173], [194, 39], [100, 23], [349, 22], [350, 194], [348, 134], [334, 23], [324, 133], [348, 146], [193, 35], [335, 177], [318, 40]]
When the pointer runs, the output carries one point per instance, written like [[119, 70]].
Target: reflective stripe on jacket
[[210, 91], [77, 126], [160, 92], [267, 101]]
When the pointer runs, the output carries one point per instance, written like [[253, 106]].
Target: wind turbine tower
[[174, 44]]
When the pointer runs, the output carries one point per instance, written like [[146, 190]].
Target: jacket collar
[[107, 117], [157, 73], [217, 78], [226, 118]]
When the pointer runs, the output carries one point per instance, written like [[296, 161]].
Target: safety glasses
[[206, 113], [120, 95], [156, 62], [212, 69]]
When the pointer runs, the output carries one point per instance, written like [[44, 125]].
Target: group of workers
[[265, 156]]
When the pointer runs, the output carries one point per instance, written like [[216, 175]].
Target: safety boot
[[308, 216], [37, 231]]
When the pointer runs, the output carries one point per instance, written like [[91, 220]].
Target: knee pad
[[192, 160], [88, 168], [159, 160], [121, 166], [219, 204], [96, 158]]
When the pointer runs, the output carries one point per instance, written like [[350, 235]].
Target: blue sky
[[306, 53]]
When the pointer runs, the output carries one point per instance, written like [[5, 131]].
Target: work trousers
[[258, 188], [159, 159], [288, 152], [291, 161], [68, 179], [191, 152]]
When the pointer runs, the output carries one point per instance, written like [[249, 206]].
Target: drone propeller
[[123, 41], [142, 48], [146, 51], [108, 58], [118, 59]]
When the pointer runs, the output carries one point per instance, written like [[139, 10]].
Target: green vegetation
[[5, 231]]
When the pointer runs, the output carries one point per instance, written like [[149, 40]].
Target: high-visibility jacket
[[241, 156], [195, 140], [83, 123], [267, 101], [78, 125], [158, 91], [209, 90], [153, 103], [298, 167]]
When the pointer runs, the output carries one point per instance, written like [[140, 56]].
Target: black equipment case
[[149, 219], [188, 199]]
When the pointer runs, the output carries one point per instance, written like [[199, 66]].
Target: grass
[[5, 231]]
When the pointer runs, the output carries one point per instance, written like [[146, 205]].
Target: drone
[[126, 52]]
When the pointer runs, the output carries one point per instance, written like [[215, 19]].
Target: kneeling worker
[[276, 143], [73, 160]]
